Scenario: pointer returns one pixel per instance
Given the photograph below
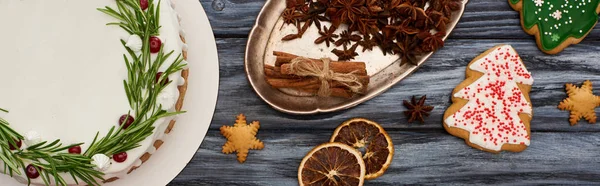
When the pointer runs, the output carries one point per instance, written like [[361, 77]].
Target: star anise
[[292, 4], [365, 26], [446, 6], [313, 14], [417, 110], [385, 39], [346, 10], [327, 36], [346, 38], [403, 28], [346, 54], [439, 19], [367, 43], [407, 49], [431, 42], [423, 21], [290, 16], [375, 6], [407, 10]]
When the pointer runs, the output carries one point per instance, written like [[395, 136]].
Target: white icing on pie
[[62, 72]]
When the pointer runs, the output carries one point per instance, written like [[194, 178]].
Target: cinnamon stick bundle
[[283, 76]]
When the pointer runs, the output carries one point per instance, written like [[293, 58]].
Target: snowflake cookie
[[241, 138]]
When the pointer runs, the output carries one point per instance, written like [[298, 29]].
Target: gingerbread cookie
[[491, 108], [581, 102], [557, 24], [241, 138]]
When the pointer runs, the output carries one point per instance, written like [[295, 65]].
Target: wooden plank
[[420, 158], [444, 70], [483, 19]]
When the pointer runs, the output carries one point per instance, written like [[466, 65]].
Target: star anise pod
[[403, 28], [385, 39], [367, 43], [290, 16], [431, 42], [294, 3], [423, 21], [346, 10], [313, 14], [407, 49], [446, 6], [417, 110], [407, 10], [439, 19], [327, 36], [365, 26], [374, 6], [346, 54], [346, 37]]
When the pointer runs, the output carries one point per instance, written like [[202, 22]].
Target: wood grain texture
[[425, 153]]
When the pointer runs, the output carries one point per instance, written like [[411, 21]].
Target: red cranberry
[[155, 44], [164, 82], [129, 121], [144, 4], [120, 157], [32, 172], [75, 150], [11, 147]]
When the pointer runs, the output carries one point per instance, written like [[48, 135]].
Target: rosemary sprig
[[141, 89]]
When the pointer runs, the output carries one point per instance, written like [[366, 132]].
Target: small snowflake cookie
[[557, 24], [491, 109], [241, 137]]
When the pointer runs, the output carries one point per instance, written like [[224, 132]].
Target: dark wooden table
[[425, 153]]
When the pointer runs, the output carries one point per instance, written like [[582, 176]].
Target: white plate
[[200, 101]]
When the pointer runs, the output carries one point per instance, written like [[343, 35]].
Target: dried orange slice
[[332, 164], [371, 140]]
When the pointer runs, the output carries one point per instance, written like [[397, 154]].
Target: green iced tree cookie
[[557, 20]]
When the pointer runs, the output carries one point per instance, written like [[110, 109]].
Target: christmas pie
[[109, 93]]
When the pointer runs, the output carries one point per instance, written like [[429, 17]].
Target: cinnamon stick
[[336, 92], [283, 58], [292, 83], [339, 67], [275, 72]]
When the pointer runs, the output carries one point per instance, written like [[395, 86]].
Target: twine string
[[302, 66]]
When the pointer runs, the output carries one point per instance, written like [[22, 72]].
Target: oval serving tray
[[266, 33]]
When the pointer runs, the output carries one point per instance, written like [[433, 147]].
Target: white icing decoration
[[539, 2], [181, 81], [135, 43], [168, 97], [101, 161], [557, 15], [185, 47], [484, 115], [32, 138], [182, 32], [185, 62]]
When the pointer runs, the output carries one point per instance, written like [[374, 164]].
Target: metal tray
[[266, 34]]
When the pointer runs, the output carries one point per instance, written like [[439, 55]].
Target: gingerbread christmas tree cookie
[[557, 24], [581, 102], [241, 138], [491, 109]]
